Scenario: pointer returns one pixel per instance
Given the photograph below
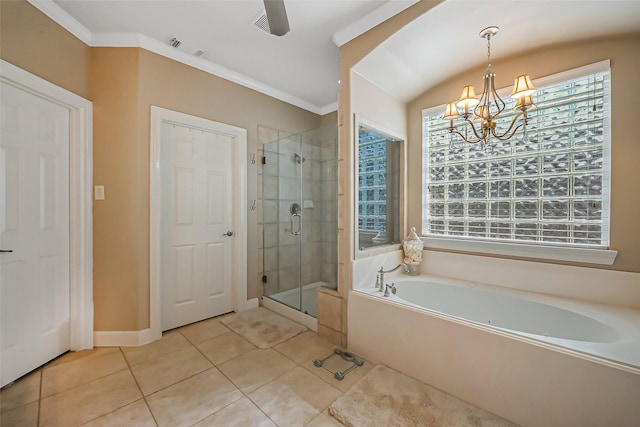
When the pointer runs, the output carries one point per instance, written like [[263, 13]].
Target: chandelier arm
[[480, 136], [464, 138], [511, 130]]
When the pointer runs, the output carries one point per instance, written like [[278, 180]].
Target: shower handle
[[293, 215]]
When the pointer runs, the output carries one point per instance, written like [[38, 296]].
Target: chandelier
[[479, 115]]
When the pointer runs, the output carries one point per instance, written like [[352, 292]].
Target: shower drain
[[338, 373]]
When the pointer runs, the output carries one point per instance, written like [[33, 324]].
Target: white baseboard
[[249, 304], [121, 338], [137, 338]]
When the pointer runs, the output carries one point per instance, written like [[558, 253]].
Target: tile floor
[[202, 374]]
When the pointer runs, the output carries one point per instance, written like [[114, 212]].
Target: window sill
[[555, 253]]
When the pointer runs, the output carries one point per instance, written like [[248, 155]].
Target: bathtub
[[531, 358], [610, 333]]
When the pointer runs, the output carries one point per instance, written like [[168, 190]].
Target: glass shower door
[[283, 220], [299, 205]]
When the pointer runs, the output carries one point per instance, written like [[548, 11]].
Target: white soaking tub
[[531, 358]]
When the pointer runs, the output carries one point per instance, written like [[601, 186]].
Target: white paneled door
[[34, 232], [197, 234]]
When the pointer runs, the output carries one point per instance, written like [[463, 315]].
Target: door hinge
[[264, 278], [264, 160]]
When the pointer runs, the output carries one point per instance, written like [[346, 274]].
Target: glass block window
[[372, 184], [549, 185]]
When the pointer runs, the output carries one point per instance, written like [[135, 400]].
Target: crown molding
[[372, 19], [60, 16], [329, 108], [66, 21]]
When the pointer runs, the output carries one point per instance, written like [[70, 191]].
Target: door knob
[[228, 233], [6, 251]]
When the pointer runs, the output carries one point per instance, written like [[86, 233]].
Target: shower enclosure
[[299, 217]]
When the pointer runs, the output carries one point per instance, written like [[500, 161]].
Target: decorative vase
[[412, 246]]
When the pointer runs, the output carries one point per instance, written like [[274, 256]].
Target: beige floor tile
[[325, 420], [225, 347], [135, 414], [84, 403], [202, 331], [162, 372], [80, 371], [192, 400], [256, 368], [241, 413], [295, 398], [23, 416], [170, 342], [304, 346], [344, 384], [22, 391], [71, 356]]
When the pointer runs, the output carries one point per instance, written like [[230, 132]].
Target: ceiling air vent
[[174, 41], [261, 22]]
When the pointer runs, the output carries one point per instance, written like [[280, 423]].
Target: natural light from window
[[548, 186]]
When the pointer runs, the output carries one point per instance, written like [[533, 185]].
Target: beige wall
[[120, 222], [329, 118], [123, 83], [32, 41], [121, 163], [624, 52], [371, 103]]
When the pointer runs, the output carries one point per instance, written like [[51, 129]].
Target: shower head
[[298, 159]]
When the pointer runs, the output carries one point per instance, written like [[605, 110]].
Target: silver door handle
[[6, 251], [295, 233], [228, 233]]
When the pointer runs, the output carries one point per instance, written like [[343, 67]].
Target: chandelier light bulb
[[468, 99], [451, 112]]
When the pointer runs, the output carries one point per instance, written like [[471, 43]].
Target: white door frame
[[80, 197], [239, 174]]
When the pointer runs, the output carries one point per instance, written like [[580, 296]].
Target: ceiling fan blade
[[277, 17]]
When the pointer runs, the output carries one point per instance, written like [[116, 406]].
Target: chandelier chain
[[489, 50]]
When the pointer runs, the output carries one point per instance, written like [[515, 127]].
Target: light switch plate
[[99, 192]]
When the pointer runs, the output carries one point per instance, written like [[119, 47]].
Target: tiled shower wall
[[319, 250], [278, 188]]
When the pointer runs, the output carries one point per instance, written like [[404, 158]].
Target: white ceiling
[[302, 67], [444, 41]]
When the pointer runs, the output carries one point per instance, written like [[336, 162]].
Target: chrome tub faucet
[[381, 272]]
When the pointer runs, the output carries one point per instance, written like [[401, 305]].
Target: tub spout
[[402, 264]]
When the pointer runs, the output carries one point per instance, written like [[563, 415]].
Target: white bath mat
[[385, 397], [262, 327]]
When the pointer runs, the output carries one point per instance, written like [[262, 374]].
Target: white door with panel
[[34, 232], [197, 235]]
